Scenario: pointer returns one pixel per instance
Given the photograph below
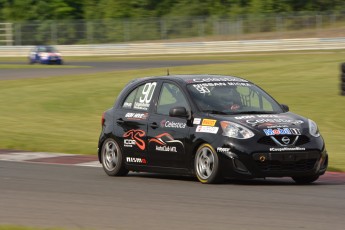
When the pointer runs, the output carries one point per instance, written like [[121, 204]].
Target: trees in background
[[25, 10]]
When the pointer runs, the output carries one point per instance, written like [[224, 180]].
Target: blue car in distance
[[45, 55]]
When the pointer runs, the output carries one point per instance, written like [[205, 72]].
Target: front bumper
[[51, 60], [244, 161]]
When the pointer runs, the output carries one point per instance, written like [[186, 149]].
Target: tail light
[[103, 119]]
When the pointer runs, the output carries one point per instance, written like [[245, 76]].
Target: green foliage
[[23, 10]]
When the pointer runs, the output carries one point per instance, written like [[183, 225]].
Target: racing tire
[[206, 165], [112, 158], [306, 179]]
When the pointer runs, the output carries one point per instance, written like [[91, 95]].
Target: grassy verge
[[62, 114]]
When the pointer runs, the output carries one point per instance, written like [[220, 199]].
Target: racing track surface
[[7, 74], [35, 194]]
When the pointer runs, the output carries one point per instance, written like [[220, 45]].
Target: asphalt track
[[36, 194], [94, 67], [33, 193]]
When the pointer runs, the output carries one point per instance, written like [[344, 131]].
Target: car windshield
[[232, 98], [48, 49]]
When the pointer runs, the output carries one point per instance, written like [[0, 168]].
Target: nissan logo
[[286, 140]]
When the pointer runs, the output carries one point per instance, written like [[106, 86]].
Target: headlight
[[313, 129], [235, 130]]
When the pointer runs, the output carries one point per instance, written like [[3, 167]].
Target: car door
[[131, 123], [167, 135]]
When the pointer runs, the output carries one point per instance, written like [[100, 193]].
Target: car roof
[[195, 78]]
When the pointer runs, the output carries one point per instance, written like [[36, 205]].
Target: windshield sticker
[[218, 79], [134, 137], [172, 124], [286, 149], [204, 87], [196, 121], [209, 122], [206, 129], [284, 131]]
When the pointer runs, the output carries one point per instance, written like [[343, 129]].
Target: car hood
[[270, 124]]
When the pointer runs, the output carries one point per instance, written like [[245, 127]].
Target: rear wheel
[[206, 165], [306, 179], [112, 158]]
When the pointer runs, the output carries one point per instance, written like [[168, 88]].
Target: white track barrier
[[186, 47]]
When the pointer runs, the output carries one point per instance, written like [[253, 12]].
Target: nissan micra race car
[[210, 126], [45, 55]]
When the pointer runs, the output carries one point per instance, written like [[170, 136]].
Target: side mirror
[[285, 107], [178, 112]]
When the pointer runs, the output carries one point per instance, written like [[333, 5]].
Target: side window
[[144, 96], [170, 96], [128, 103]]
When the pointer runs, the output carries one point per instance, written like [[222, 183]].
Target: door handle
[[154, 125], [120, 121]]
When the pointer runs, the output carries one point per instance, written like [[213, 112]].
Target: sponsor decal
[[238, 84], [196, 121], [141, 106], [282, 131], [286, 149], [209, 122], [277, 126], [204, 87], [127, 105], [172, 124], [136, 116], [136, 160], [206, 129], [166, 148], [164, 141], [134, 137], [226, 79], [223, 150]]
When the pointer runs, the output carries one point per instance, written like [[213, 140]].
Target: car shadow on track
[[326, 180]]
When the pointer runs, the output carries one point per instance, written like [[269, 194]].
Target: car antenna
[[168, 72]]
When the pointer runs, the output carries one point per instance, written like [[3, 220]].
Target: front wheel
[[206, 165], [306, 179], [112, 158]]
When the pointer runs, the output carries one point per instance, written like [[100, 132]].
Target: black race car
[[210, 126]]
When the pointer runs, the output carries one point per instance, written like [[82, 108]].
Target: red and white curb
[[50, 158]]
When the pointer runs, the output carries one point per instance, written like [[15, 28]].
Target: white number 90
[[147, 92]]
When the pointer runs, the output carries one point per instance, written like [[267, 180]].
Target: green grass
[[63, 114]]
